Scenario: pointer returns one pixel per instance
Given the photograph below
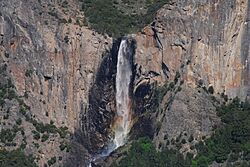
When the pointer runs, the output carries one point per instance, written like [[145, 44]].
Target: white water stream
[[123, 76], [122, 120]]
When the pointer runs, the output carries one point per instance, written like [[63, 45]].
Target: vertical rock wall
[[190, 45], [52, 60], [207, 40]]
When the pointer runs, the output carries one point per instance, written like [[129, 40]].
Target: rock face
[[193, 56], [97, 124], [101, 111], [52, 60], [62, 58], [207, 40], [193, 44], [65, 73]]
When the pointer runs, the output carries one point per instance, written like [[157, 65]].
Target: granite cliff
[[204, 44], [58, 76], [51, 60]]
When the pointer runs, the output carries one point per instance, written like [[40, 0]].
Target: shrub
[[26, 95], [64, 145], [40, 127], [54, 14], [63, 131], [52, 161], [23, 110], [65, 4], [183, 141], [11, 94], [230, 142], [45, 137], [49, 128], [232, 136], [6, 116], [19, 121], [36, 145], [16, 158], [7, 135], [143, 153], [36, 135]]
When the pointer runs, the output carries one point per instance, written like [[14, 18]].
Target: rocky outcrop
[[192, 53], [53, 63], [189, 47], [207, 40], [52, 60]]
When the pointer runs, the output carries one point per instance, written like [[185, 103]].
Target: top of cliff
[[120, 17]]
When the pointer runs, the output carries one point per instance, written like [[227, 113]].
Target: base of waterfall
[[105, 153], [102, 156]]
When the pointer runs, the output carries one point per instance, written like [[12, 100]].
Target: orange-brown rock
[[206, 40], [52, 63]]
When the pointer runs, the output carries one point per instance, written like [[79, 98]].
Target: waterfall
[[123, 76], [122, 120]]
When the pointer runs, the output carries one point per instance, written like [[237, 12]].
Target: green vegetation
[[63, 131], [36, 135], [52, 161], [65, 4], [23, 110], [8, 135], [7, 88], [19, 121], [6, 91], [143, 153], [64, 145], [52, 13], [45, 137], [177, 76], [50, 128], [46, 130], [117, 18], [16, 158], [36, 145], [230, 141], [41, 127], [161, 91]]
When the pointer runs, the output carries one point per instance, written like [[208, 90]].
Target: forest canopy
[[120, 17]]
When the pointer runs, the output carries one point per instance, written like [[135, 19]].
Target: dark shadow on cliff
[[145, 103], [95, 132]]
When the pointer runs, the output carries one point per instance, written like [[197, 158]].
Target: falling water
[[123, 76], [121, 125]]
